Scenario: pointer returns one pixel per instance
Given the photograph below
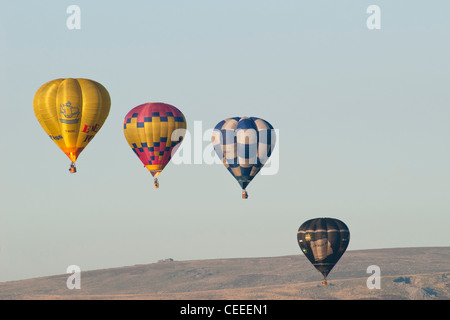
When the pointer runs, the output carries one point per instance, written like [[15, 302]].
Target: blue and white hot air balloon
[[244, 145]]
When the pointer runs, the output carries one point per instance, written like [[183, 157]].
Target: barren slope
[[407, 273]]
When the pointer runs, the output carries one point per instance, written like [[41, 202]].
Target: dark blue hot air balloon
[[323, 241]]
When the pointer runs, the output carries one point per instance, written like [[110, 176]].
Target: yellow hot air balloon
[[71, 111]]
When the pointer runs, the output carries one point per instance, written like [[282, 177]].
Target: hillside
[[406, 273]]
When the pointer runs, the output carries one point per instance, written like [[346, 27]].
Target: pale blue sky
[[362, 114]]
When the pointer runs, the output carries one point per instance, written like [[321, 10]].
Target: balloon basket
[[72, 168], [156, 184], [244, 194]]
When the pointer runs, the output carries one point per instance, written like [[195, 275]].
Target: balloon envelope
[[244, 145], [154, 131], [71, 111], [323, 241]]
